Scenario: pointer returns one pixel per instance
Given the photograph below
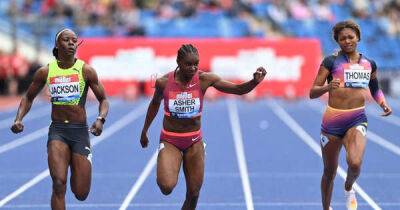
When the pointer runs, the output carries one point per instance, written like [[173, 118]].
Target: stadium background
[[130, 43]]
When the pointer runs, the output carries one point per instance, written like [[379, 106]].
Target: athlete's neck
[[182, 78], [353, 57], [66, 62]]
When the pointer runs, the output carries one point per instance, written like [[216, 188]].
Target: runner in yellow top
[[68, 80]]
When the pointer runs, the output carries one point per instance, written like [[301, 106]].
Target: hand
[[17, 127], [144, 141], [386, 110], [97, 128], [334, 84], [259, 75]]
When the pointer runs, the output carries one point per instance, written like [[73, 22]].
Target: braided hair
[[185, 50]]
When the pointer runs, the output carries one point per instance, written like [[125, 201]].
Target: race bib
[[64, 88], [184, 104], [356, 76]]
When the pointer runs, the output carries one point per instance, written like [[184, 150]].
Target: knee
[[59, 186], [193, 194], [166, 187], [81, 196], [355, 165], [329, 174]]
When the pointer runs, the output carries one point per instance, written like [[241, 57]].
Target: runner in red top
[[181, 139]]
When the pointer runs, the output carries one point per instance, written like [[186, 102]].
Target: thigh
[[330, 147], [193, 165], [59, 157], [81, 172], [168, 163], [354, 142]]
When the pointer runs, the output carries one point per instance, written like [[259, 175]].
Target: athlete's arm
[[238, 89], [39, 80], [153, 109], [319, 88], [378, 95], [93, 82]]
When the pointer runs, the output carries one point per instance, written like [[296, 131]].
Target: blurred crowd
[[122, 17], [16, 73], [386, 12]]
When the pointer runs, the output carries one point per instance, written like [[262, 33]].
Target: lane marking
[[202, 204], [92, 110], [237, 138], [139, 182], [34, 114]]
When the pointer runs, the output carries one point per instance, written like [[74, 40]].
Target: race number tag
[[184, 104], [64, 88], [356, 76]]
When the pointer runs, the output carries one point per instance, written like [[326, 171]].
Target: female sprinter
[[181, 137], [68, 80], [349, 74]]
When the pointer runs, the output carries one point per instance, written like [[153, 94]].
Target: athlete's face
[[347, 40], [189, 64], [67, 42]]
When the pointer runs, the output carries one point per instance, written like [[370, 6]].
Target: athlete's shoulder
[[41, 73], [43, 70], [161, 82], [373, 63], [206, 75], [87, 67], [329, 61]]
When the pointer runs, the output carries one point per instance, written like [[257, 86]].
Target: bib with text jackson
[[64, 88], [184, 104]]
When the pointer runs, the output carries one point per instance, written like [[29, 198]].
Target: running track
[[260, 155]]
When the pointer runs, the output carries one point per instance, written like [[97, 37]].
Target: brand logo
[[62, 79], [192, 85], [324, 140], [87, 148], [195, 139]]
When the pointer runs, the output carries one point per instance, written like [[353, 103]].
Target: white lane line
[[237, 138], [14, 109], [383, 142], [392, 119], [37, 113], [227, 175], [306, 138], [92, 110], [25, 187], [139, 182], [24, 140], [202, 204], [116, 126]]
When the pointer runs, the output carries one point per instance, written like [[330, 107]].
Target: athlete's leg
[[354, 142], [59, 156], [193, 166], [330, 147], [81, 175], [168, 165]]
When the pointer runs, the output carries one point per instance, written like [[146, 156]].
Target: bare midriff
[[347, 98], [68, 113], [181, 125]]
